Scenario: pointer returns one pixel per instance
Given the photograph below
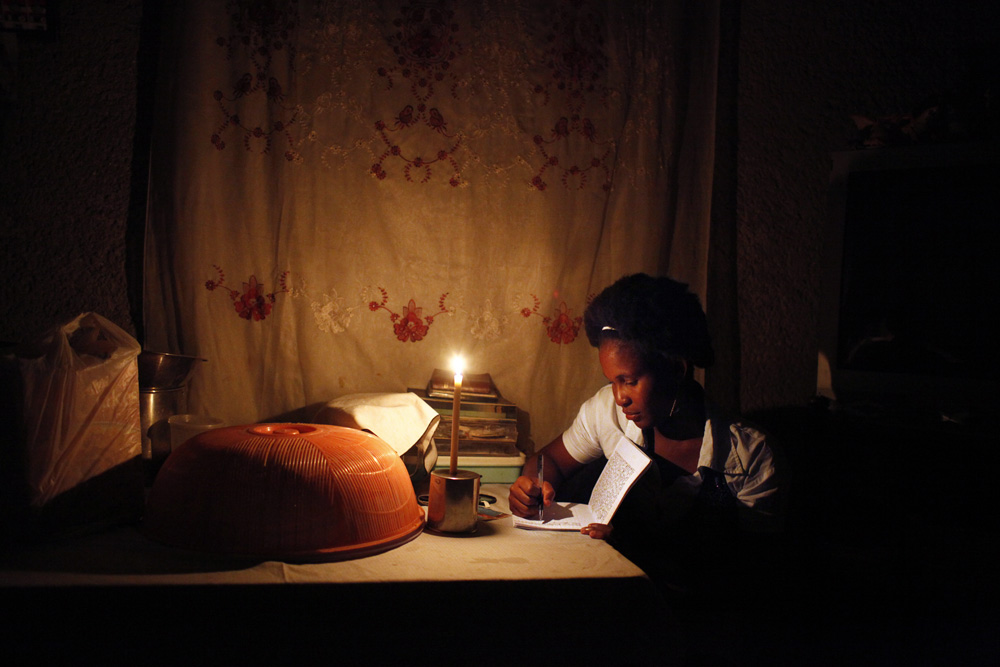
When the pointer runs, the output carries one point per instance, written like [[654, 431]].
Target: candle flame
[[457, 364]]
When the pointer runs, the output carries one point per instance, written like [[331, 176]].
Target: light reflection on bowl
[[160, 370]]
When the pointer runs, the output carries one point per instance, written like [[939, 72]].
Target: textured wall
[[65, 169], [805, 67]]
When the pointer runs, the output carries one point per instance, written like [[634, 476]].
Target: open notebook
[[622, 471]]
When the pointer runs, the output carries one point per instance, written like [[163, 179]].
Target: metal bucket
[[155, 407]]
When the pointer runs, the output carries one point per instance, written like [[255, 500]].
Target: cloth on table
[[403, 420]]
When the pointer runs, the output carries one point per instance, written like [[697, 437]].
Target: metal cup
[[453, 501]]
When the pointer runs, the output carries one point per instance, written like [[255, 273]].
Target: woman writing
[[712, 478]]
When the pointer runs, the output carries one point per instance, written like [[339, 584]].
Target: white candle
[[457, 366]]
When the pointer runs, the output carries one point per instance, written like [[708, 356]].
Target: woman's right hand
[[526, 498]]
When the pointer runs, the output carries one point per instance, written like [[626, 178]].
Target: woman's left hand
[[598, 531]]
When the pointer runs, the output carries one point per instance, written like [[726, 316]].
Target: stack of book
[[487, 428]]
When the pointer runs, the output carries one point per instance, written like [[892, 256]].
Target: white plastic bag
[[81, 405]]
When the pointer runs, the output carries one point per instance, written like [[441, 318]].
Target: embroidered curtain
[[345, 193]]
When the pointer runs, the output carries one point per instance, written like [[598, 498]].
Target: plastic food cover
[[293, 492]]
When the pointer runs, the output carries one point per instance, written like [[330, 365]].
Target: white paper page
[[626, 465], [623, 469], [560, 516]]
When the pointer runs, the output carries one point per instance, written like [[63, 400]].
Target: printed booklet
[[622, 471]]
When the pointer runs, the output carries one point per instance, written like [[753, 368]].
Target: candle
[[457, 366]]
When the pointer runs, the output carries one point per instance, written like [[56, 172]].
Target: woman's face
[[634, 385]]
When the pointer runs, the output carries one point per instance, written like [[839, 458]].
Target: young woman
[[712, 479]]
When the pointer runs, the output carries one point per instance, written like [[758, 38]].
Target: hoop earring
[[677, 395]]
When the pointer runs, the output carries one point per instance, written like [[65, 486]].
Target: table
[[497, 595]]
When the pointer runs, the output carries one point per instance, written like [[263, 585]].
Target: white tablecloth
[[494, 597], [496, 551]]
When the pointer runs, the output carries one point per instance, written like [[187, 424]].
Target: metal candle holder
[[453, 501], [453, 496]]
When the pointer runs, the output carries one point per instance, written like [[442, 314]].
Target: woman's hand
[[526, 498], [598, 531]]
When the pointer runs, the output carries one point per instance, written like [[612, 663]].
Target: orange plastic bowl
[[294, 492]]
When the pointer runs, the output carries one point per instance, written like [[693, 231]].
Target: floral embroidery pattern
[[253, 303], [262, 29], [425, 47], [329, 312], [410, 325], [486, 325], [561, 328], [576, 61]]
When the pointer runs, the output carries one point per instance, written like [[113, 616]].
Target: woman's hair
[[658, 316]]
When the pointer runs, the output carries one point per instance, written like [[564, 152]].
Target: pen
[[541, 487]]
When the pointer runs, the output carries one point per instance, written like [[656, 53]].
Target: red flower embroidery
[[424, 41], [253, 303], [562, 328], [259, 31], [411, 325], [577, 61]]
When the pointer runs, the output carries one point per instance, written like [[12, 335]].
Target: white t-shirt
[[737, 451]]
